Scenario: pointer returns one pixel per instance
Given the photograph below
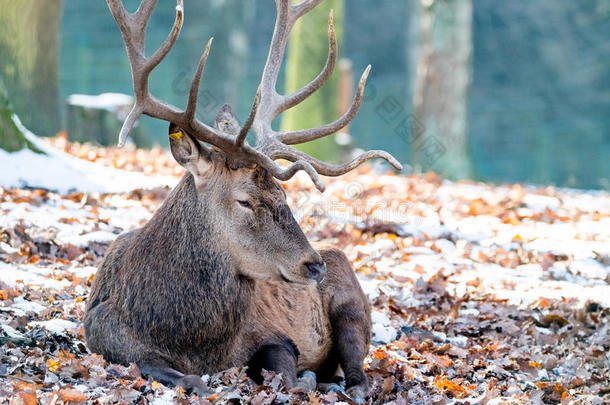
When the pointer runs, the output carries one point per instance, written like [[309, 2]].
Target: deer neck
[[197, 273]]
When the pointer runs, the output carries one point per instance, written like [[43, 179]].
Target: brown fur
[[210, 283]]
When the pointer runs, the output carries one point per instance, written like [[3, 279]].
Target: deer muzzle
[[316, 271]]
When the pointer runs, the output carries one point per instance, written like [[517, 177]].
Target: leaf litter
[[481, 294]]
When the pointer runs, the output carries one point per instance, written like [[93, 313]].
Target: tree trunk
[[29, 51], [441, 87], [307, 54], [11, 137]]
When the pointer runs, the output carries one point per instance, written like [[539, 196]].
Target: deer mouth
[[286, 279]]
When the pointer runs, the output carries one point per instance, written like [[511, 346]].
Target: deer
[[222, 275]]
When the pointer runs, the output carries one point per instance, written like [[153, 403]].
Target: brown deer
[[222, 275]]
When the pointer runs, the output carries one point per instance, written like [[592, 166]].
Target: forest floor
[[481, 294]]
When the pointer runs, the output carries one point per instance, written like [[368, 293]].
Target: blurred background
[[488, 90]]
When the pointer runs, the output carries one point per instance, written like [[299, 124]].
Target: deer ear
[[187, 151], [226, 121]]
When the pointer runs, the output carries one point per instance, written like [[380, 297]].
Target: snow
[[87, 238], [30, 275], [58, 171], [55, 325], [106, 101], [383, 332], [540, 203], [10, 332], [166, 399], [27, 306], [590, 268]]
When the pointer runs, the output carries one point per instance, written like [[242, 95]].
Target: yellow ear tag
[[176, 136]]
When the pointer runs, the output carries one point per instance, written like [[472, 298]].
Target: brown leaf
[[71, 395]]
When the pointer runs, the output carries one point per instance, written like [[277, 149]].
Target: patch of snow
[[29, 275], [383, 334], [105, 101], [11, 332], [446, 246], [539, 203], [7, 248], [83, 272], [55, 325], [59, 171], [85, 239], [469, 311], [27, 306], [461, 341], [369, 286], [380, 318], [590, 268], [166, 399]]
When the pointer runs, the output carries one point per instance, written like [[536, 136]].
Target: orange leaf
[[53, 365], [380, 354], [541, 303], [446, 384], [28, 397], [71, 395]]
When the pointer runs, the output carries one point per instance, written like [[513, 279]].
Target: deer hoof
[[193, 384], [357, 394], [307, 381], [332, 388]]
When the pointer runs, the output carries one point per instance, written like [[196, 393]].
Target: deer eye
[[245, 204]]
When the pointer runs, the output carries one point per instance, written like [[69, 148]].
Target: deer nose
[[316, 271]]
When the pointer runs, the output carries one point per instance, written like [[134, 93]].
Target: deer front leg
[[351, 345], [349, 315], [280, 357], [173, 378]]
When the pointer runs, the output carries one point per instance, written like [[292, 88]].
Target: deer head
[[250, 218], [238, 179]]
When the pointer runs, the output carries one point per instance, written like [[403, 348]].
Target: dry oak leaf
[[71, 395]]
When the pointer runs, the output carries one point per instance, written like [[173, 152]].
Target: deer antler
[[268, 104]]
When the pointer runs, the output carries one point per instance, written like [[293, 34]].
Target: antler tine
[[144, 12], [133, 30], [287, 15], [327, 169], [169, 42], [289, 172], [275, 58], [305, 7], [306, 135], [289, 101], [191, 106], [241, 137]]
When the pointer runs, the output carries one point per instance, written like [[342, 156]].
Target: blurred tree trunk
[[307, 54], [29, 55], [441, 87], [12, 138]]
